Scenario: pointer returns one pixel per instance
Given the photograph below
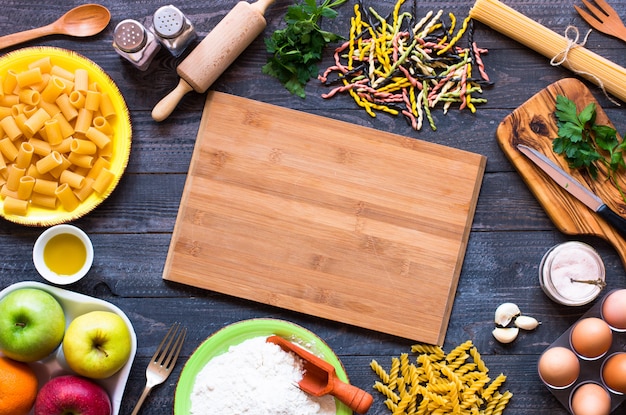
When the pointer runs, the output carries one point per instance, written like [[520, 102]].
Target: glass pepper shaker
[[133, 42], [173, 29]]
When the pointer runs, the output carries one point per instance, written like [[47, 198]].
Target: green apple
[[97, 344], [32, 324]]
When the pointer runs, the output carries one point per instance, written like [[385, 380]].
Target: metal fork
[[603, 18], [163, 361]]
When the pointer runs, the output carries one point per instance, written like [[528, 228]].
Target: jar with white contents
[[572, 273]]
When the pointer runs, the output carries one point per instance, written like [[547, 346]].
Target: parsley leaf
[[296, 49], [587, 145]]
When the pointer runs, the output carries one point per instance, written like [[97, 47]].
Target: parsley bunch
[[586, 144], [298, 47]]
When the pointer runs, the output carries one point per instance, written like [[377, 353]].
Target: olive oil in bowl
[[63, 254]]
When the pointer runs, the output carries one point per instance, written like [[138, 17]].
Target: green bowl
[[231, 335]]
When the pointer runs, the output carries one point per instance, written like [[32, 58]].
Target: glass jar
[[572, 273], [173, 29], [133, 42]]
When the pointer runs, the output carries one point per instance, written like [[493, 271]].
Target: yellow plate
[[18, 61]]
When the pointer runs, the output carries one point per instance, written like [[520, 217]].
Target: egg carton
[[590, 370]]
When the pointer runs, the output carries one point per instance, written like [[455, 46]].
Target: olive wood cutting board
[[534, 125], [325, 218]]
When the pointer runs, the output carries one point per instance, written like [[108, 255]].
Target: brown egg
[[614, 372], [591, 337], [614, 309], [591, 399], [559, 367]]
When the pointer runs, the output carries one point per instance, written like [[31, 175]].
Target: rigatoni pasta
[[53, 132], [8, 149], [81, 80], [68, 199], [81, 160], [10, 128], [44, 64], [9, 82], [35, 122], [68, 110], [99, 138], [25, 187], [28, 77], [92, 100], [45, 201], [106, 106], [29, 96], [103, 180], [40, 147], [46, 164], [56, 137], [83, 192], [13, 177], [63, 73], [73, 179], [4, 112], [14, 206], [83, 147]]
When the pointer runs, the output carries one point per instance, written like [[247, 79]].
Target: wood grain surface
[[326, 218], [533, 124]]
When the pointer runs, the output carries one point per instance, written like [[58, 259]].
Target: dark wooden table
[[131, 230]]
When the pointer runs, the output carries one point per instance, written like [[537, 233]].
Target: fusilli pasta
[[456, 383]]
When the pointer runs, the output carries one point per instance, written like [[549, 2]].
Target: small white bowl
[[42, 241]]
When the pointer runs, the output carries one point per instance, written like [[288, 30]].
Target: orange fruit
[[18, 387]]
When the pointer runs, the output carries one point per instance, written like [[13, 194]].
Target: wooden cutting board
[[325, 218], [534, 124]]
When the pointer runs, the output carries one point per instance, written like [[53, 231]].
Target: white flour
[[255, 378]]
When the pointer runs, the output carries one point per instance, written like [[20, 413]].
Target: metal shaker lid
[[168, 21], [129, 36]]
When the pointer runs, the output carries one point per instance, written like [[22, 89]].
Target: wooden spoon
[[320, 378], [81, 21]]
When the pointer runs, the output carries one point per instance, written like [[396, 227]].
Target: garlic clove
[[505, 313], [505, 335], [526, 322]]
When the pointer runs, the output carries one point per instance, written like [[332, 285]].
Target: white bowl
[[41, 243], [75, 304]]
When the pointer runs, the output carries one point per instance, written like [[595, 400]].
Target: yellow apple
[[97, 344]]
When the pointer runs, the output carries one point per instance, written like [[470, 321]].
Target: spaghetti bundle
[[601, 71], [403, 65]]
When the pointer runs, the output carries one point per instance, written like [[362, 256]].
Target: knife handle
[[615, 220]]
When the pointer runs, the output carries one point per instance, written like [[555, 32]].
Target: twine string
[[561, 58]]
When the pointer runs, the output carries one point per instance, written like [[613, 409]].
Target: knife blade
[[573, 187]]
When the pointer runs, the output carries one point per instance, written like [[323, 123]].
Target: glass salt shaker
[[133, 42], [173, 29]]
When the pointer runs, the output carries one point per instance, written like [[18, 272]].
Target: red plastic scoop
[[321, 379]]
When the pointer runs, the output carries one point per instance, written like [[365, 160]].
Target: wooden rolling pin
[[215, 53], [578, 59]]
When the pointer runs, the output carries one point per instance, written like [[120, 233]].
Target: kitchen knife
[[573, 187]]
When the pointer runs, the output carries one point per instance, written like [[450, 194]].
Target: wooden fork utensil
[[603, 18]]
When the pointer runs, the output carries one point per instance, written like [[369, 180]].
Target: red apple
[[72, 394]]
